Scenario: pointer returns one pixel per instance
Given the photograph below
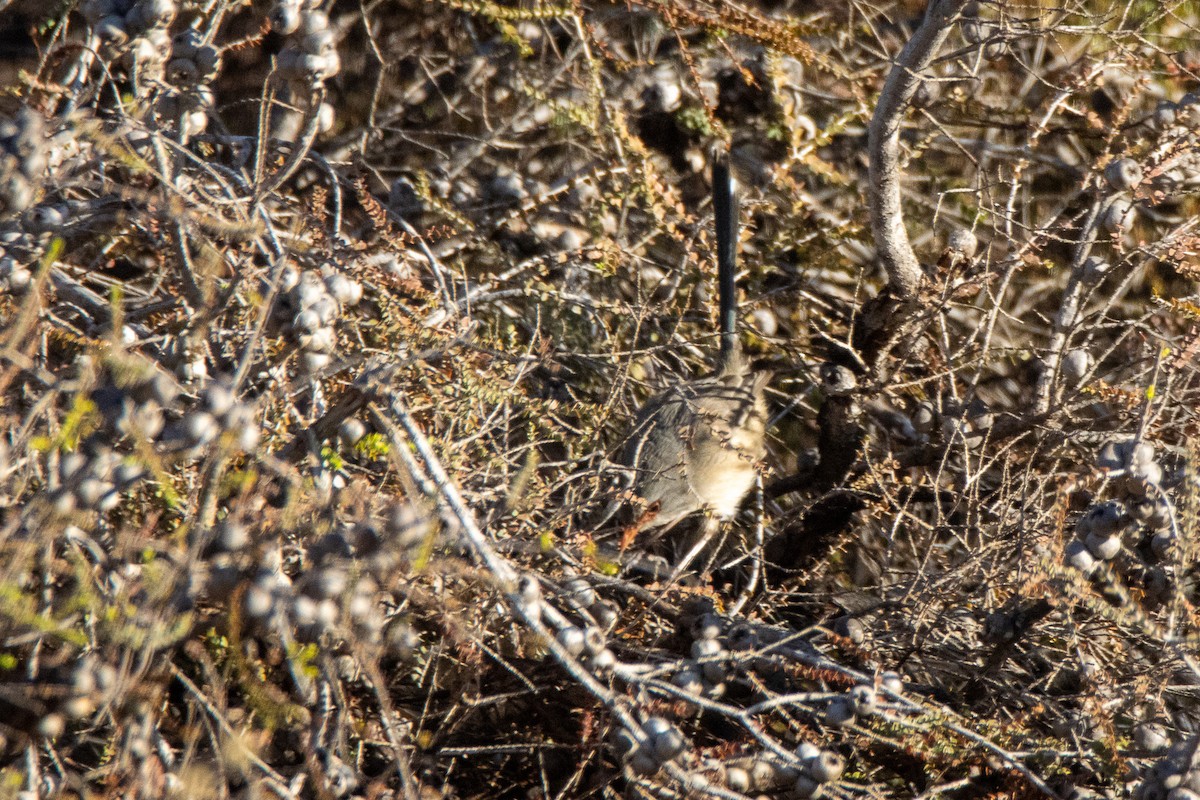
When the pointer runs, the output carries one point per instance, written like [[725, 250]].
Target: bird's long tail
[[725, 210]]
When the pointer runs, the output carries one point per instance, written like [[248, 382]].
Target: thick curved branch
[[887, 220]]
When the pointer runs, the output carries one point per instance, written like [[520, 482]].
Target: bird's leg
[[711, 527]]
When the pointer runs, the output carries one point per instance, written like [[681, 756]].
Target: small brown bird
[[696, 446]]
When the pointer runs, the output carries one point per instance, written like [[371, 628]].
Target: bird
[[697, 445]]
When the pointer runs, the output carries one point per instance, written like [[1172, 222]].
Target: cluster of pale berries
[[308, 307], [22, 160], [1141, 506], [1176, 776], [193, 65], [132, 404], [657, 742], [310, 56], [339, 591], [140, 24]]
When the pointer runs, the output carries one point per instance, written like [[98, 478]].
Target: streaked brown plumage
[[696, 446]]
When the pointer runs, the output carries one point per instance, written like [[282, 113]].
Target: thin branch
[[887, 218]]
